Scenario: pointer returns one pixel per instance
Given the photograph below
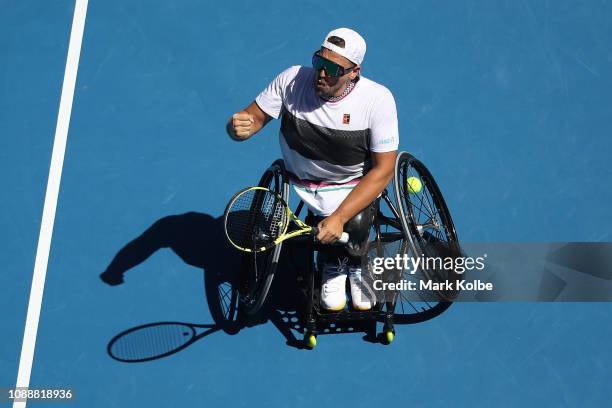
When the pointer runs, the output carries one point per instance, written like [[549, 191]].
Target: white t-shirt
[[326, 145]]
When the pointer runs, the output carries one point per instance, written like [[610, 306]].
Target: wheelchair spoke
[[412, 302], [223, 295], [403, 308], [426, 224], [437, 221], [406, 195], [226, 291], [428, 208], [427, 203]]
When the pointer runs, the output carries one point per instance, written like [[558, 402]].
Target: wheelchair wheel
[[425, 218], [257, 269], [223, 302], [389, 240]]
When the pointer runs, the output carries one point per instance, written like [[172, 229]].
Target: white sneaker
[[361, 291], [333, 287]]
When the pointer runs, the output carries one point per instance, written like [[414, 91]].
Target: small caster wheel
[[310, 340], [389, 336]]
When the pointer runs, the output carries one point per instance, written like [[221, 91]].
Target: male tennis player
[[339, 139]]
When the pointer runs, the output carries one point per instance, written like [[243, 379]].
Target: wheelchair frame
[[406, 227]]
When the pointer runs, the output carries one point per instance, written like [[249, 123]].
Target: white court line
[[50, 206]]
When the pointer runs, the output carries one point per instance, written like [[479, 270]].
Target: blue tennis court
[[508, 104]]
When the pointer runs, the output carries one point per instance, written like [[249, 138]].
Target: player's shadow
[[199, 240]]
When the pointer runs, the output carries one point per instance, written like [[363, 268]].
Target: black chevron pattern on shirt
[[335, 146]]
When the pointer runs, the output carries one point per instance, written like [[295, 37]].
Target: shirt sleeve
[[383, 126], [270, 100]]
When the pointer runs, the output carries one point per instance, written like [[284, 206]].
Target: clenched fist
[[241, 126]]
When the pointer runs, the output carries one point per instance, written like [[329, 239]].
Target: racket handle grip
[[344, 238]]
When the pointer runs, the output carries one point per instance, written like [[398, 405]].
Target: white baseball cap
[[354, 45]]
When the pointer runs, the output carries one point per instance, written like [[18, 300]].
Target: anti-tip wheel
[[389, 335], [310, 340]]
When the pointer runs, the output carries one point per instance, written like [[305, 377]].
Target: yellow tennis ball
[[414, 184]]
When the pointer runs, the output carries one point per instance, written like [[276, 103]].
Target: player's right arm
[[247, 122], [267, 106]]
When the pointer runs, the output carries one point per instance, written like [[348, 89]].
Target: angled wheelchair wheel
[[257, 269], [223, 302], [426, 219], [389, 241]]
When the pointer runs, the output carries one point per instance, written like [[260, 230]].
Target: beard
[[327, 89]]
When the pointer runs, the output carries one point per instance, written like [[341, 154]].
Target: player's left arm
[[370, 186]]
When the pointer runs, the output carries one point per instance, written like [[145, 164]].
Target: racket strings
[[256, 218], [278, 219]]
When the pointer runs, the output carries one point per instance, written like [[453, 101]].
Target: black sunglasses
[[331, 68]]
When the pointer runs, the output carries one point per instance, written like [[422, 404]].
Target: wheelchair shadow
[[198, 240]]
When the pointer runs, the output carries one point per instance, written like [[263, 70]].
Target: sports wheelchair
[[405, 223]]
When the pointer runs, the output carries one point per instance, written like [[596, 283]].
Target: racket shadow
[[156, 340], [198, 239]]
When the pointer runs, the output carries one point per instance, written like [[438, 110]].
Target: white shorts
[[322, 198]]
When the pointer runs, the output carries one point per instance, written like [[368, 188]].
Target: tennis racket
[[256, 219]]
